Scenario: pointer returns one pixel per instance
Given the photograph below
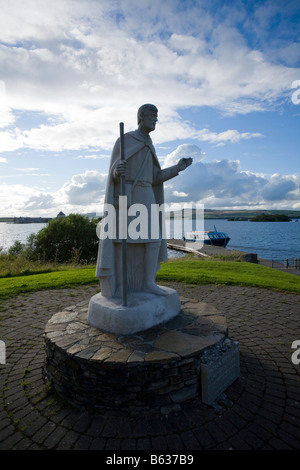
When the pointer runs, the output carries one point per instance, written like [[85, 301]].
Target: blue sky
[[225, 77]]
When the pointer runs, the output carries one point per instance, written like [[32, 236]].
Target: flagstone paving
[[260, 410]]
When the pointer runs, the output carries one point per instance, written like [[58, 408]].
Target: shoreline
[[210, 250]]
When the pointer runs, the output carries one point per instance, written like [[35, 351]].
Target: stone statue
[[144, 186]]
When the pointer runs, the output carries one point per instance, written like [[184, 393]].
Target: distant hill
[[248, 214], [29, 220], [208, 214], [239, 214]]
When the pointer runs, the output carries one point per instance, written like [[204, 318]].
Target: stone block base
[[142, 312], [187, 357]]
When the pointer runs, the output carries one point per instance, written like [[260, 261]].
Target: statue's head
[[145, 110]]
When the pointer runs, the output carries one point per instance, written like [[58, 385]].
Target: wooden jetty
[[180, 245]]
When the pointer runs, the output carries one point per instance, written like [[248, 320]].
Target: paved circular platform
[[157, 367], [259, 411]]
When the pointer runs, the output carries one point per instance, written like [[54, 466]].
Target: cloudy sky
[[224, 75]]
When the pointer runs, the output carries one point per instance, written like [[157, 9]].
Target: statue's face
[[149, 121]]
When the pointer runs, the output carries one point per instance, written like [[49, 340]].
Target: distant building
[[60, 215]]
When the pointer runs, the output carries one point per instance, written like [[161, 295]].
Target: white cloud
[[27, 169], [217, 184], [13, 198], [83, 194], [41, 202], [84, 189], [86, 64], [231, 135], [280, 187], [92, 157], [184, 151], [180, 194], [223, 184], [11, 140], [6, 116]]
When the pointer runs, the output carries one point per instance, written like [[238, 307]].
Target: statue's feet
[[154, 289]]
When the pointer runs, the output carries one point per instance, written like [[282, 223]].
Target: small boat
[[210, 237]]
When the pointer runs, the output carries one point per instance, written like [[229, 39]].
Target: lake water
[[270, 240], [9, 233]]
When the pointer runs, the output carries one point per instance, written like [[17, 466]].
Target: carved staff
[[123, 216]]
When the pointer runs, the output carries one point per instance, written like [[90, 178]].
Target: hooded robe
[[144, 184]]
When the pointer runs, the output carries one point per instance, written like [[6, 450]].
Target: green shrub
[[16, 249], [72, 239]]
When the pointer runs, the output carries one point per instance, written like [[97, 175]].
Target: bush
[[72, 239], [16, 249]]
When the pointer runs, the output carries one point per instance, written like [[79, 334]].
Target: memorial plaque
[[220, 370]]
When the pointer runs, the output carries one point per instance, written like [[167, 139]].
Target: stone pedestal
[[143, 311], [160, 367]]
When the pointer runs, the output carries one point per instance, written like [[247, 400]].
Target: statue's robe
[[144, 185]]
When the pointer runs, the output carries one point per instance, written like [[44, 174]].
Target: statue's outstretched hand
[[184, 163]]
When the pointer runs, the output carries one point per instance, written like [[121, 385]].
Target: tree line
[[271, 218], [63, 240]]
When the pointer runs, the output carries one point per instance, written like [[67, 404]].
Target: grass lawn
[[11, 286], [195, 271], [187, 270]]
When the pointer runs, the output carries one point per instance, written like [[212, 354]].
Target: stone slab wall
[[159, 367]]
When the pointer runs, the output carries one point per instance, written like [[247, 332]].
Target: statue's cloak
[[134, 142]]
